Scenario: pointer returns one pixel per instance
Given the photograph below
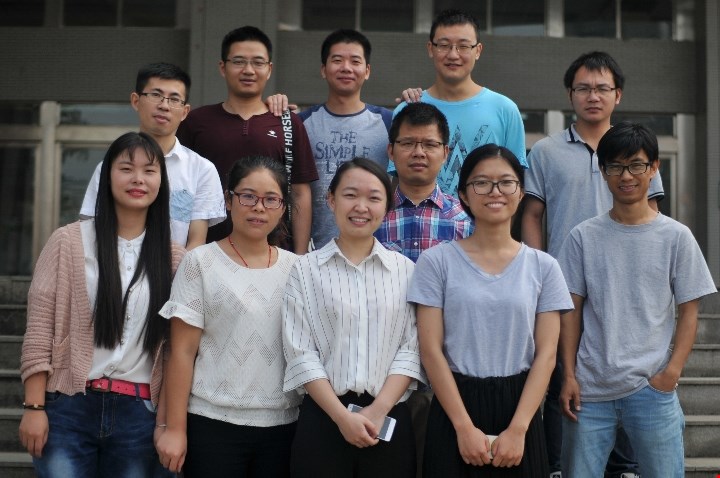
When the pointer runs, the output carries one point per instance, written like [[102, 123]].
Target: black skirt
[[491, 404]]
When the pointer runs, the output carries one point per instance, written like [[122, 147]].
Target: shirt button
[[127, 245], [415, 243], [129, 268]]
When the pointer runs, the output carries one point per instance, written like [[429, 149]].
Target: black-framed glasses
[[156, 98], [429, 146], [248, 199], [485, 186], [462, 49], [240, 62], [619, 169], [584, 91]]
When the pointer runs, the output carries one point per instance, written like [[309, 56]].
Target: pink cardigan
[[59, 335]]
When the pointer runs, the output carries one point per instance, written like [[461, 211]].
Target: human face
[[494, 207], [451, 66], [359, 204], [345, 69], [594, 108], [255, 222], [631, 188], [417, 167], [159, 120], [134, 182], [247, 81]]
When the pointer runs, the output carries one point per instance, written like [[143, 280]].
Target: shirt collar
[[331, 250], [177, 151], [436, 197], [572, 136], [134, 244]]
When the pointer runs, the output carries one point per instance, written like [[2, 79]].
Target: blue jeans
[[653, 421], [99, 435]]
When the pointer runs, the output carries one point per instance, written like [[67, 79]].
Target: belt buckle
[[97, 385]]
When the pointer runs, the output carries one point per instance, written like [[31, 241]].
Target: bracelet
[[161, 425], [34, 406]]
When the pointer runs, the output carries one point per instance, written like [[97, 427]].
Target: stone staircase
[[699, 388]]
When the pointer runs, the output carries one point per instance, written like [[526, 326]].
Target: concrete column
[[47, 177], [712, 72]]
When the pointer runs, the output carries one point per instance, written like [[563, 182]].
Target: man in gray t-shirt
[[626, 271]]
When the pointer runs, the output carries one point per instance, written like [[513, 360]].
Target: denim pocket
[[661, 392], [149, 406], [52, 397]]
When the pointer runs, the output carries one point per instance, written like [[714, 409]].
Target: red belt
[[122, 387]]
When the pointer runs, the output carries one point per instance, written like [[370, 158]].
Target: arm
[[509, 447], [197, 233], [531, 226], [570, 331], [172, 444], [278, 103], [34, 423], [666, 380], [301, 217], [473, 445]]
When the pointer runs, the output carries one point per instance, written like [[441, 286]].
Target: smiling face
[[631, 188], [493, 207], [346, 69], [418, 167], [255, 222], [451, 66], [594, 108], [246, 81], [135, 181], [159, 120], [359, 203]]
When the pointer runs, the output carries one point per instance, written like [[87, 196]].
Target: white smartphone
[[388, 425], [491, 439]]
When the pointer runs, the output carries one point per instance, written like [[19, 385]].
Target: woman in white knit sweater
[[227, 413]]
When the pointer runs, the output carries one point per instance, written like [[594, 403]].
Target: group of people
[[352, 302]]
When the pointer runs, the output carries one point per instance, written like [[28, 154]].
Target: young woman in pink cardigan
[[92, 356]]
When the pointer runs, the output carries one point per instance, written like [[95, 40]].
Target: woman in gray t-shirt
[[488, 321]]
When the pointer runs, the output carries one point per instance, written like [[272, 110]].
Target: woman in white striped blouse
[[350, 338]]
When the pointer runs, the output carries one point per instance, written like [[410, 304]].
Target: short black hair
[[595, 61], [419, 114], [448, 18], [371, 167], [164, 71], [480, 154], [345, 36], [246, 33], [626, 139]]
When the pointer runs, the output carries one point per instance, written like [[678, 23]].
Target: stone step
[[708, 329], [9, 423], [704, 361], [702, 467], [702, 436], [11, 388], [12, 319], [16, 465], [10, 348], [699, 395]]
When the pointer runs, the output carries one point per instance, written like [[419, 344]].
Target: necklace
[[243, 259]]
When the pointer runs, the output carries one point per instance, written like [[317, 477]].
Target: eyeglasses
[[157, 99], [483, 186], [584, 91], [247, 199], [241, 62], [462, 49], [619, 169], [428, 146]]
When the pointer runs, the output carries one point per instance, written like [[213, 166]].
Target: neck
[[130, 223], [492, 237], [463, 90], [245, 107], [166, 142], [414, 193], [344, 105], [355, 249], [592, 132], [249, 248], [632, 214]]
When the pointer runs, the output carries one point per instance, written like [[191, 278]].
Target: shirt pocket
[[61, 354], [181, 205]]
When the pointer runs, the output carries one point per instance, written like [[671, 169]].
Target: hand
[[664, 381], [508, 448], [377, 417], [410, 95], [278, 103], [570, 398], [474, 446], [358, 430], [34, 431], [171, 446]]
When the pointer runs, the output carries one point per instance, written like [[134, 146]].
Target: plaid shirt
[[410, 229]]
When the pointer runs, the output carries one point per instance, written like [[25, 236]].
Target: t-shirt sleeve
[[572, 263], [187, 296], [303, 169], [690, 278], [554, 293], [427, 286], [515, 133], [209, 201], [88, 205], [656, 190], [534, 177]]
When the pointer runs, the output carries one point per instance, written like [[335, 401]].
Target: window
[[477, 8], [22, 13], [590, 18], [78, 165], [100, 114], [518, 18], [119, 13], [321, 14], [17, 171], [367, 15], [19, 113], [636, 18], [381, 15], [647, 19]]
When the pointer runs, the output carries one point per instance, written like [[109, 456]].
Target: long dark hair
[[155, 259]]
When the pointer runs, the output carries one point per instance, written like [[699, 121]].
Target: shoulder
[[309, 111], [192, 157], [500, 100], [204, 111], [382, 111]]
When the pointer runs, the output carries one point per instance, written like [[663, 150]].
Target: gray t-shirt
[[564, 174], [336, 139], [631, 277], [489, 320]]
